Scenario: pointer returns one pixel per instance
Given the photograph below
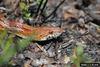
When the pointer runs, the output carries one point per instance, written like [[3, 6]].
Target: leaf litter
[[80, 27]]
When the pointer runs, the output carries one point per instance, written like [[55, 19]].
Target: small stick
[[42, 49], [55, 9], [44, 6], [39, 7]]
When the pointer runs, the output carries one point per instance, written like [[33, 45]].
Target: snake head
[[46, 33]]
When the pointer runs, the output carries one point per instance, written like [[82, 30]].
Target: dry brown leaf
[[70, 12]]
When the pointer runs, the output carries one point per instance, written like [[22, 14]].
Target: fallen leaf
[[70, 12]]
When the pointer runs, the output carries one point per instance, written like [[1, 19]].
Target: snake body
[[24, 30]]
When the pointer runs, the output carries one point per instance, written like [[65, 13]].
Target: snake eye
[[51, 32]]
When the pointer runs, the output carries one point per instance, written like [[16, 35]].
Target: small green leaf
[[23, 6], [25, 12], [6, 56], [7, 52], [9, 47], [22, 43], [2, 36], [8, 44], [79, 50]]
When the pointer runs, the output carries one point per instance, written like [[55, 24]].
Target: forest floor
[[81, 22]]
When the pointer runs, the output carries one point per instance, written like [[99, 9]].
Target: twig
[[44, 6], [55, 9], [42, 49], [39, 7], [65, 45], [5, 9]]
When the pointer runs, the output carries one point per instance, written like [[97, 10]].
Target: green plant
[[24, 9], [9, 48], [79, 56]]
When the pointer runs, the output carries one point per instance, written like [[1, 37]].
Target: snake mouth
[[51, 36]]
